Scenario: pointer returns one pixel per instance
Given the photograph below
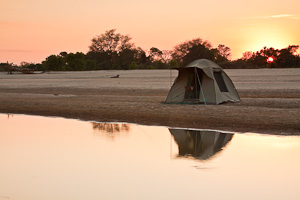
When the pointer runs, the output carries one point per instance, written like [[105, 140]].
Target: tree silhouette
[[109, 45], [283, 58], [288, 57], [55, 63], [112, 50], [247, 55], [191, 50], [75, 62], [155, 54], [224, 53], [110, 41]]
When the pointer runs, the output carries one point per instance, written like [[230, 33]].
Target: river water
[[46, 158]]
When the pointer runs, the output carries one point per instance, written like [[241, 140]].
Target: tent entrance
[[192, 89]]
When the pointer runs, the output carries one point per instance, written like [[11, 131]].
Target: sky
[[32, 30]]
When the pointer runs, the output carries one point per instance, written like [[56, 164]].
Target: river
[[47, 158]]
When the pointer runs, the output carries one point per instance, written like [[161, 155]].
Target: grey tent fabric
[[202, 81], [200, 144]]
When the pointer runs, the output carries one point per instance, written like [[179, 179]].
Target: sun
[[270, 59]]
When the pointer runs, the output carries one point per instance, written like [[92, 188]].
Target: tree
[[259, 59], [90, 64], [125, 58], [24, 64], [140, 57], [75, 62], [247, 55], [100, 59], [55, 63], [110, 41], [4, 66], [133, 65], [110, 44], [160, 59], [288, 57], [166, 56], [224, 53], [192, 50], [155, 54]]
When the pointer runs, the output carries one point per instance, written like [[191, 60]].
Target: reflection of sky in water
[[55, 158]]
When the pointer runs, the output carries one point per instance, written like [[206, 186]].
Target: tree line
[[114, 51]]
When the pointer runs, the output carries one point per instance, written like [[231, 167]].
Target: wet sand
[[270, 99]]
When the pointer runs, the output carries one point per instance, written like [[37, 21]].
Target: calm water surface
[[61, 159]]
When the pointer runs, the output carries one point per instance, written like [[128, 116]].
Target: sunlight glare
[[257, 36], [270, 59]]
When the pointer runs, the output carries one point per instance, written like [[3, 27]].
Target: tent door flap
[[192, 89]]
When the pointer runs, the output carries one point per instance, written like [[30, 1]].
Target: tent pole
[[170, 77], [196, 83], [200, 86]]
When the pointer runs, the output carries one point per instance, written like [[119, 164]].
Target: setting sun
[[270, 59]]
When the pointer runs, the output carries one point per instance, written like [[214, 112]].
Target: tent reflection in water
[[202, 81], [201, 145]]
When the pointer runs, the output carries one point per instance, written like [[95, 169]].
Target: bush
[[133, 65]]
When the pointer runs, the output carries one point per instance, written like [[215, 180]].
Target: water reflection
[[109, 129], [55, 158], [201, 145], [10, 116]]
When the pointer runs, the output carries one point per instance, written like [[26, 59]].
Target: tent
[[202, 81], [200, 144]]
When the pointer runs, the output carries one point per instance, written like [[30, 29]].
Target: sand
[[270, 99]]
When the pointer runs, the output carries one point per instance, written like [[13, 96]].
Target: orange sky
[[31, 30]]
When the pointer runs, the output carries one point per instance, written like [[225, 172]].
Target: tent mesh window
[[220, 81]]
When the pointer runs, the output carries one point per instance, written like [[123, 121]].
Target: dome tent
[[200, 144], [202, 81]]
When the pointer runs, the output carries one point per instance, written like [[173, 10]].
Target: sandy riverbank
[[270, 99]]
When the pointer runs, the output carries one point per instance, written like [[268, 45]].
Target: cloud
[[280, 16], [16, 51], [288, 16]]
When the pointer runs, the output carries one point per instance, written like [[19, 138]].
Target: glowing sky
[[31, 30]]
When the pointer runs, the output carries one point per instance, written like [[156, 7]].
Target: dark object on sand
[[117, 76], [24, 70]]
